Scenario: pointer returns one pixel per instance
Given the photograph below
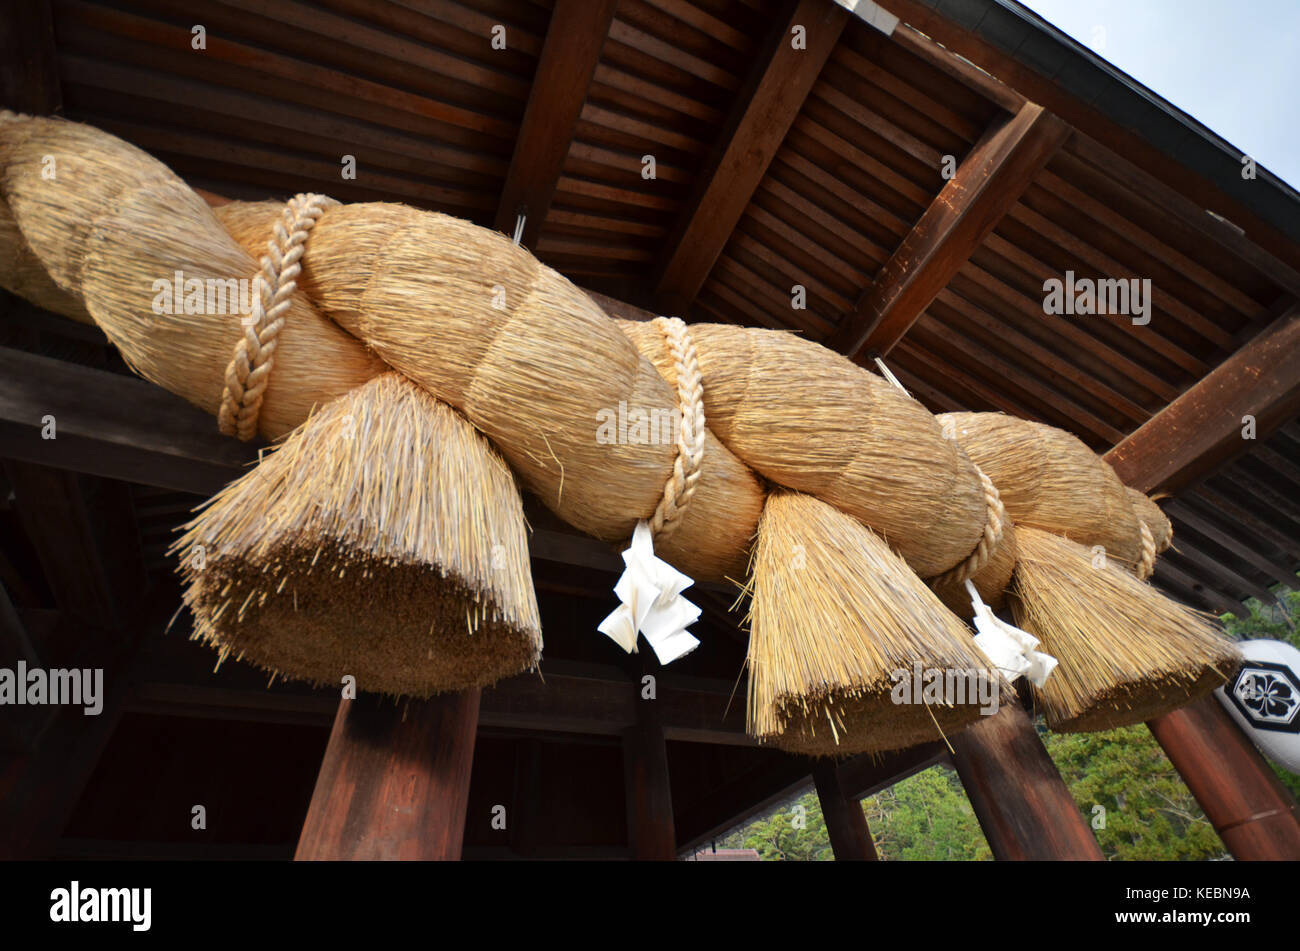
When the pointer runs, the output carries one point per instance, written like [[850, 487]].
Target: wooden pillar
[[1021, 802], [1249, 808], [394, 783], [650, 824], [845, 821]]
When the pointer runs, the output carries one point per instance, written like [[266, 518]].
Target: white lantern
[[1264, 698]]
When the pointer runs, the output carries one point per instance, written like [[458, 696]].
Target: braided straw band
[[989, 541], [1146, 565], [273, 286], [690, 437]]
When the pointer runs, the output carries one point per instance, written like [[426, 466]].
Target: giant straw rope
[[346, 292]]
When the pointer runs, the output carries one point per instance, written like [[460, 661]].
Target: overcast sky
[[1235, 67]]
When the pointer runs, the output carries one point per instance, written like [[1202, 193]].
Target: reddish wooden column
[[1251, 810], [846, 824], [650, 825], [394, 783], [1023, 805]]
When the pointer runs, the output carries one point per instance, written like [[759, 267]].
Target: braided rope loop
[[1146, 565], [249, 370], [680, 487], [994, 526]]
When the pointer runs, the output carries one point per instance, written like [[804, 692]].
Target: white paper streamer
[[1007, 647], [649, 592]]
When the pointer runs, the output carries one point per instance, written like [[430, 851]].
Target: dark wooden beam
[[29, 77], [846, 823], [765, 109], [124, 428], [647, 787], [112, 425], [564, 71], [1023, 805], [954, 40], [867, 774], [1202, 429], [19, 726], [579, 699], [1249, 808], [394, 783], [780, 776], [992, 177]]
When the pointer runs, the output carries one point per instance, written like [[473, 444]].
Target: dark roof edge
[[1035, 43]]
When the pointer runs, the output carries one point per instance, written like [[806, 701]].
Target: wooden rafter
[[1202, 428], [765, 110], [992, 177], [568, 61], [29, 81], [957, 42]]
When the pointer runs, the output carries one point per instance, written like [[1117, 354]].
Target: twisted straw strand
[[994, 525], [249, 370], [680, 488]]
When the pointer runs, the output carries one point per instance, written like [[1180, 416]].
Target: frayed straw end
[[838, 621], [1127, 653], [384, 539]]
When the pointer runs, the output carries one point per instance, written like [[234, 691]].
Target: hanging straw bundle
[[533, 363], [384, 539], [836, 620], [1127, 653]]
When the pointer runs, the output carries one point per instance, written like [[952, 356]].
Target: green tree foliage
[[1149, 812], [793, 832], [926, 817]]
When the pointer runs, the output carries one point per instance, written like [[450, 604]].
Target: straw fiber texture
[[113, 221], [834, 614], [1127, 653], [532, 362], [384, 539], [809, 419], [1049, 479]]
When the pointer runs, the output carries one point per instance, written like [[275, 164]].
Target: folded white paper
[[1007, 647], [649, 592]]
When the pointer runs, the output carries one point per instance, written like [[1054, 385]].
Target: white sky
[[1235, 67]]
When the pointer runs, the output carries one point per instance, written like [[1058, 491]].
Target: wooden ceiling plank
[[1255, 524], [963, 48], [1172, 202], [766, 108], [937, 337], [568, 61], [966, 73], [1213, 566], [1110, 361], [1205, 525], [1103, 263], [242, 66], [30, 80], [1202, 429], [987, 183], [1103, 214], [1087, 385]]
